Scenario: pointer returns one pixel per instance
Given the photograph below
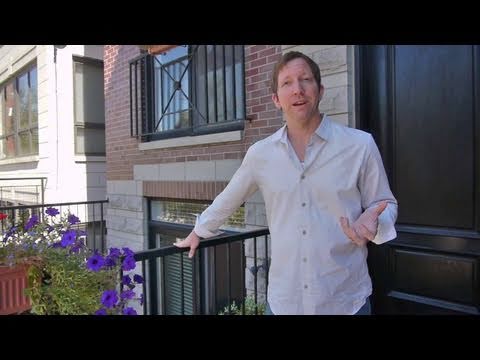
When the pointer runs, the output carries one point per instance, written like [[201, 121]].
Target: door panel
[[433, 100], [421, 105]]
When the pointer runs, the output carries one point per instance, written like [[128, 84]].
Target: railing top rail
[[213, 241], [24, 178], [50, 205]]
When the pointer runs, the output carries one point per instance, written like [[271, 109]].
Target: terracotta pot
[[13, 281]]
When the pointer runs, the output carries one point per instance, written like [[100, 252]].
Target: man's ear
[[321, 92], [276, 102]]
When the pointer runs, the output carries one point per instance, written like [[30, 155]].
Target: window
[[171, 221], [19, 115], [189, 90], [89, 107]]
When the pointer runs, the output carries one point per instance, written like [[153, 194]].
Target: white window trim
[[20, 159], [192, 140], [90, 158]]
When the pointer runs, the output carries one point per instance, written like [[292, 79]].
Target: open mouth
[[299, 103]]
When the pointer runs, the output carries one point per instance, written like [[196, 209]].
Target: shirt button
[[302, 177], [304, 259], [305, 286], [303, 204], [304, 232]]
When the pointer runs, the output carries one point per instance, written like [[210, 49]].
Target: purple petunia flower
[[127, 252], [95, 262], [126, 280], [128, 263], [127, 294], [110, 262], [9, 233], [31, 222], [138, 279], [109, 298], [72, 219], [76, 247], [68, 238], [52, 211], [114, 253], [101, 311], [129, 311]]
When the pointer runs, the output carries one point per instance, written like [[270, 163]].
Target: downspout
[[55, 48]]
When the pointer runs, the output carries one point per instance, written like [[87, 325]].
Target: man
[[326, 195]]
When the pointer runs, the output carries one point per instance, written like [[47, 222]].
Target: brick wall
[[122, 150]]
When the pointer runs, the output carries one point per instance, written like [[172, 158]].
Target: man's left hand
[[364, 229]]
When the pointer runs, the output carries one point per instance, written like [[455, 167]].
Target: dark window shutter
[[173, 285]]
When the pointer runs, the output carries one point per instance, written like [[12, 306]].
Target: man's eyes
[[288, 82]]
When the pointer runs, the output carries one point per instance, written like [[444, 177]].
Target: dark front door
[[422, 105]]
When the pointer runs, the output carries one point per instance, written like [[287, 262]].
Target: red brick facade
[[122, 150], [198, 190]]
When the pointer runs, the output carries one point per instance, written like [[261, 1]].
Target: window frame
[[149, 101], [85, 125], [16, 130]]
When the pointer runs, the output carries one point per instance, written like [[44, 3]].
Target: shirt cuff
[[386, 229], [202, 231]]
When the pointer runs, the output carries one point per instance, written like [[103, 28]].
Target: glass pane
[[10, 108], [90, 141], [22, 101], [88, 93], [186, 212], [171, 89], [239, 78], [34, 141], [24, 143], [3, 148], [2, 111], [219, 83], [10, 146], [212, 116], [200, 91], [229, 81], [33, 97], [219, 53]]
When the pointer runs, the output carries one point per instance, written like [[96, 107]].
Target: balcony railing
[[90, 213], [24, 190], [251, 262]]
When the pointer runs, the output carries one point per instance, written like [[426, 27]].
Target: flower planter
[[13, 281]]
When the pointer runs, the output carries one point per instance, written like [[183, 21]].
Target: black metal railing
[[212, 292], [22, 189], [91, 214]]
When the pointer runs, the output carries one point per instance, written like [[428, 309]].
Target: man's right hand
[[191, 241]]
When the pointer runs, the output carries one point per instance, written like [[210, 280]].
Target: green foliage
[[64, 276], [62, 285], [250, 307]]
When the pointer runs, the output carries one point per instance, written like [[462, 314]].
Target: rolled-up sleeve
[[240, 187], [374, 189]]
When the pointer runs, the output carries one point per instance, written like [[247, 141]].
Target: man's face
[[297, 94]]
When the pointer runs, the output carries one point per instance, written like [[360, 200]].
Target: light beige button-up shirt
[[315, 268]]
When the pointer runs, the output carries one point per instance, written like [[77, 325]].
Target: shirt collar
[[323, 131]]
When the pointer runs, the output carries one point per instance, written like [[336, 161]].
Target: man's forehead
[[295, 66]]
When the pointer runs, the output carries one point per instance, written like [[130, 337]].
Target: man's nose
[[297, 87]]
